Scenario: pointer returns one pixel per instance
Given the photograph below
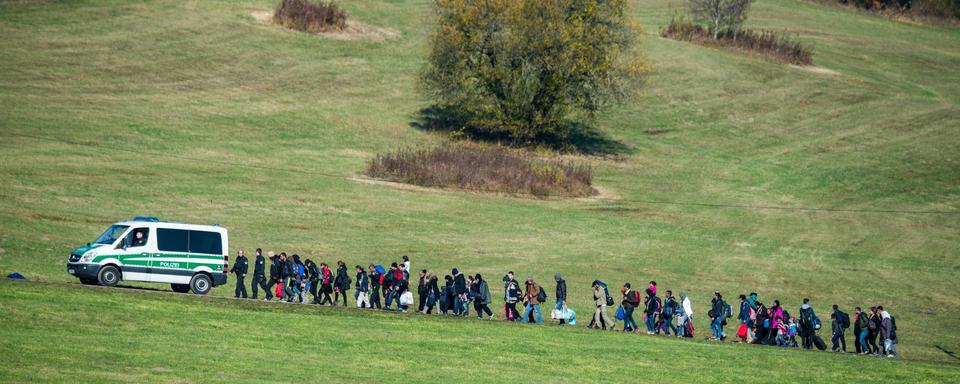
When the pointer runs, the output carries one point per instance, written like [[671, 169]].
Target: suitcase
[[819, 343]]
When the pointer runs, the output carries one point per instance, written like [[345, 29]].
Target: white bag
[[363, 301], [406, 298]]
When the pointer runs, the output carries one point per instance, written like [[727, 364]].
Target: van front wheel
[[200, 284], [180, 288], [108, 276]]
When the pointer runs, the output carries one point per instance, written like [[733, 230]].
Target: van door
[[135, 254], [170, 263]]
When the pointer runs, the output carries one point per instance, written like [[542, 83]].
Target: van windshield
[[112, 234]]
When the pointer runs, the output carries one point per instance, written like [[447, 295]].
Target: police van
[[188, 257]]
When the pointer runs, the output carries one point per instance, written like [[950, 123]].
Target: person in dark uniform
[[139, 238], [274, 274], [422, 291], [240, 268], [259, 279]]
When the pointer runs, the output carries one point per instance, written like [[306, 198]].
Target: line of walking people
[[290, 279]]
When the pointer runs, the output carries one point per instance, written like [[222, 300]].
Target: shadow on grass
[[582, 138]]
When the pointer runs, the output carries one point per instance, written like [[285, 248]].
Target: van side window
[[205, 242], [172, 240], [137, 237]]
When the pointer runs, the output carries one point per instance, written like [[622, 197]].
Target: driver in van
[[139, 238]]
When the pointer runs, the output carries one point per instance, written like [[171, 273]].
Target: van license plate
[[71, 271]]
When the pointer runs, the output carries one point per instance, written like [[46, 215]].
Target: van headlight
[[87, 257]]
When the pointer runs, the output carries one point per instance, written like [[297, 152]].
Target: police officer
[[240, 268], [259, 279], [274, 274]]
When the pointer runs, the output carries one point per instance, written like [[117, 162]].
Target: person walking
[[482, 299], [888, 332], [512, 296], [717, 317], [286, 273], [299, 280], [873, 330], [532, 300], [374, 277], [447, 296], [240, 269], [843, 322], [361, 293], [860, 329], [274, 274], [651, 310], [561, 292], [600, 318], [259, 275], [326, 285], [422, 291], [313, 280], [433, 294], [631, 300], [460, 290], [341, 283], [686, 318], [406, 267], [744, 317], [670, 308], [808, 324]]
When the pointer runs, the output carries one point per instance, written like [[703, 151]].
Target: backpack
[[605, 291], [670, 307], [727, 311], [844, 319], [542, 296], [398, 275]]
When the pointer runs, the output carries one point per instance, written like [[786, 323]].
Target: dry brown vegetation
[[486, 169], [774, 45], [307, 16]]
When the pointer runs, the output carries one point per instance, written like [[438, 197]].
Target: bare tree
[[720, 15]]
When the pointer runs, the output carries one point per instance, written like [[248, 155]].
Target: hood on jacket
[[683, 296], [805, 306], [884, 315]]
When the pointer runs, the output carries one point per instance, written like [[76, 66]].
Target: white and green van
[[188, 257]]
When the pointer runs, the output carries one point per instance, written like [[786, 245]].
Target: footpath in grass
[[54, 332]]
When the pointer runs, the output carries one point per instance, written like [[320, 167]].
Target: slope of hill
[[839, 183]]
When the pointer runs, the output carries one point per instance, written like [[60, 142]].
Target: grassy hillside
[[194, 111], [60, 333]]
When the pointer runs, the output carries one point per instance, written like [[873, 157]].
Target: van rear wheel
[[108, 276], [180, 288], [200, 284]]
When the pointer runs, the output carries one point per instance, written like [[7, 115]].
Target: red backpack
[[398, 275]]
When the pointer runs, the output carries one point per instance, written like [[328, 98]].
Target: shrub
[[484, 168], [526, 69], [774, 45], [305, 16], [720, 16]]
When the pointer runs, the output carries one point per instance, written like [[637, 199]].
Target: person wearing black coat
[[313, 275], [460, 291], [374, 277], [561, 294], [362, 287], [433, 294], [422, 290], [285, 272], [341, 283], [240, 269], [259, 279]]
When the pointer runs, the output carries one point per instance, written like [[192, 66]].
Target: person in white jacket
[[684, 316]]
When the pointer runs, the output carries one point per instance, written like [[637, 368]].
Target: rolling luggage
[[818, 342]]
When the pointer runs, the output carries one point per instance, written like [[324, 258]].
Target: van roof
[[154, 222]]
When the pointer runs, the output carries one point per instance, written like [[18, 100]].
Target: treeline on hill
[[720, 23], [923, 9], [484, 168], [307, 16]]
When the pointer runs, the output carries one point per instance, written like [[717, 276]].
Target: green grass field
[[194, 111]]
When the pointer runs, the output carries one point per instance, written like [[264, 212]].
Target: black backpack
[[669, 308], [844, 319], [542, 296]]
